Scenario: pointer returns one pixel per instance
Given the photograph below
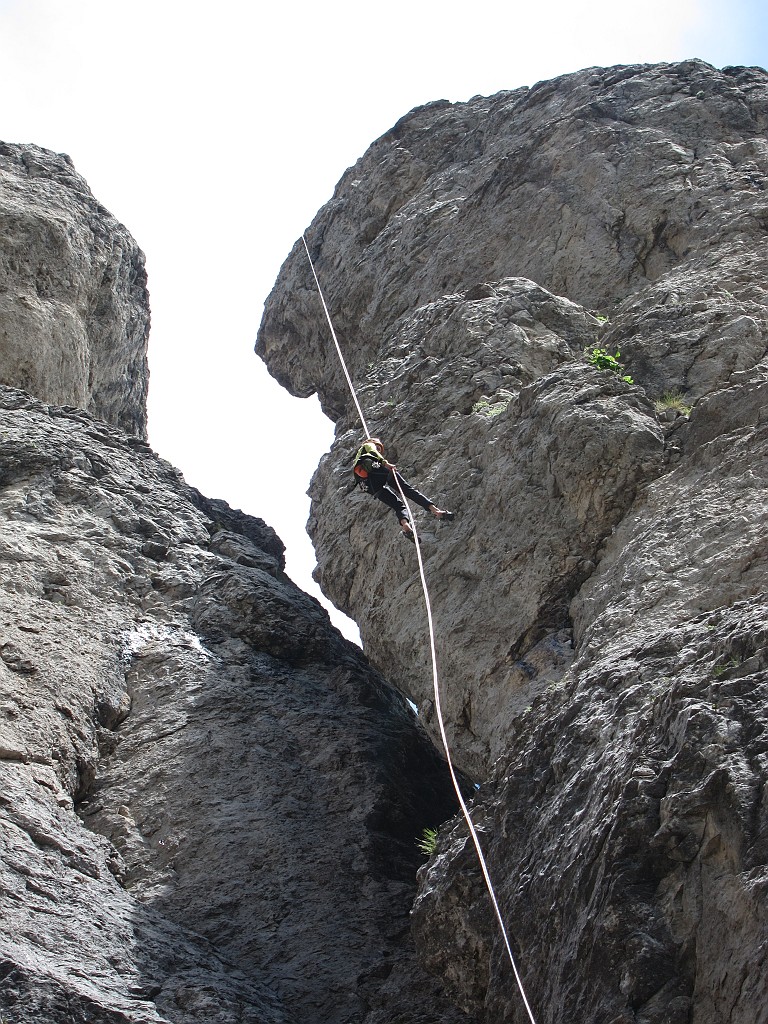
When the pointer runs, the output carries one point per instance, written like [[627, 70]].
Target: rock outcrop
[[74, 311], [637, 194], [209, 799], [600, 598]]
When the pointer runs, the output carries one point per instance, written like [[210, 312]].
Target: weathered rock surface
[[597, 186], [209, 799], [600, 598], [628, 822], [74, 311], [574, 184]]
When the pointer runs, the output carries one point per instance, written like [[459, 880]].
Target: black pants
[[382, 486]]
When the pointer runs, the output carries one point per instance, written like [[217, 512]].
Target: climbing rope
[[435, 676], [336, 343], [443, 736]]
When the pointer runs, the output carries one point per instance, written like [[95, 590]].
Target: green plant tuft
[[428, 842], [602, 359]]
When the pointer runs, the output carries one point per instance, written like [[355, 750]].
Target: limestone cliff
[[74, 311], [209, 800], [600, 598]]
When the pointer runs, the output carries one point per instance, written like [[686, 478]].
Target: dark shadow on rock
[[267, 793]]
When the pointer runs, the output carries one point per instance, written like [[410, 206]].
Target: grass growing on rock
[[427, 844], [673, 400]]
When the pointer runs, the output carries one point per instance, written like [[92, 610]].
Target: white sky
[[215, 132]]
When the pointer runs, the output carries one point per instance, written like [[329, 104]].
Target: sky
[[216, 131]]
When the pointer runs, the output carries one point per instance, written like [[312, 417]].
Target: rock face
[[209, 799], [600, 598], [74, 311], [476, 374]]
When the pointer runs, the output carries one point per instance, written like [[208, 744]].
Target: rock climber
[[376, 476]]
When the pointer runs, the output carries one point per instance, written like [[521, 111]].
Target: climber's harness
[[368, 472]]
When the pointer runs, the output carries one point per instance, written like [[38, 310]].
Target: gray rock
[[634, 190], [639, 191], [599, 599], [210, 801], [502, 575], [74, 309]]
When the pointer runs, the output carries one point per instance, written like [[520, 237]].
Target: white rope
[[435, 678], [336, 342], [443, 736]]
